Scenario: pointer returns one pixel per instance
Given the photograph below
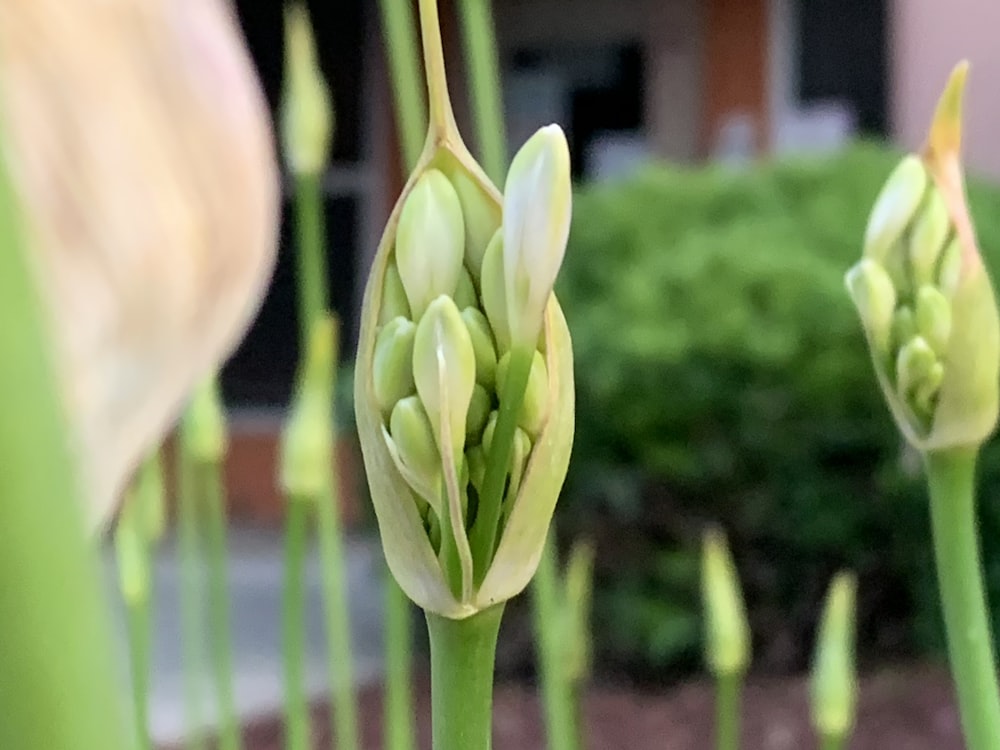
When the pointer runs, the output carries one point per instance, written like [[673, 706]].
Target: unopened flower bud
[[950, 270], [465, 293], [834, 679], [894, 208], [727, 634], [394, 302], [904, 327], [875, 297], [913, 365], [393, 368], [476, 458], [927, 238], [933, 318], [482, 344], [131, 555], [306, 110], [415, 449], [535, 405], [494, 292], [203, 429], [430, 242], [482, 219], [479, 412], [538, 203], [444, 368]]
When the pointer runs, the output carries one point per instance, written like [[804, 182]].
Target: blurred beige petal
[[139, 143]]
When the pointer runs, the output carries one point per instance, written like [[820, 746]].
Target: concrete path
[[255, 571]]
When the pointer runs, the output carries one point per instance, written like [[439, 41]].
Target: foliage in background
[[722, 377]]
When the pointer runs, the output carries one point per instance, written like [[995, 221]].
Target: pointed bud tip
[[946, 129]]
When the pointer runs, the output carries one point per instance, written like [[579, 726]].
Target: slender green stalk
[[338, 622], [404, 70], [559, 698], [951, 479], [310, 233], [220, 624], [482, 63], [833, 743], [297, 731], [56, 690], [139, 621], [462, 660], [192, 614], [728, 689], [399, 728]]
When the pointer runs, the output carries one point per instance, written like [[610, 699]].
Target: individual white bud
[[895, 206], [392, 371], [536, 395], [875, 297], [482, 343], [538, 199]]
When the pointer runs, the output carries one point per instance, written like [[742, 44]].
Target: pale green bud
[[727, 634], [430, 241], [415, 449], [149, 493], [465, 293], [482, 344], [307, 441], [203, 429], [535, 406], [476, 459], [444, 368], [927, 238], [904, 326], [579, 586], [926, 390], [950, 271], [307, 121], [834, 678], [482, 219], [894, 208], [538, 199], [494, 292], [394, 302], [933, 318], [132, 555], [913, 365], [518, 462], [479, 412], [393, 368], [875, 297]]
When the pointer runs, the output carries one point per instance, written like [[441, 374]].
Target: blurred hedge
[[722, 377]]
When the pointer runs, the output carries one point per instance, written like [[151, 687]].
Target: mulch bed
[[904, 709]]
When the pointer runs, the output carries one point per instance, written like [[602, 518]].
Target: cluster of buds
[[464, 386], [925, 298]]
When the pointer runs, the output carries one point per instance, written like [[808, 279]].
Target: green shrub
[[722, 376]]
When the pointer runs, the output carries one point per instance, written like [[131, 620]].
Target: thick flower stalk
[[930, 317], [139, 147], [464, 384]]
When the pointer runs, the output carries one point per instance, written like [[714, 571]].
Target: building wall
[[927, 38]]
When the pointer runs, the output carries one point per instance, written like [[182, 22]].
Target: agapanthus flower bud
[[394, 362], [535, 405], [151, 210], [939, 363], [834, 679], [482, 344], [727, 633], [415, 448], [539, 199], [306, 112]]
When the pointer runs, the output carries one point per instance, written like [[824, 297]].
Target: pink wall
[[928, 38]]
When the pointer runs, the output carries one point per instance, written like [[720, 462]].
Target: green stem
[[462, 659], [139, 621], [558, 695], [56, 691], [399, 727], [338, 622], [482, 539], [482, 63], [293, 625], [951, 479], [210, 476], [442, 118], [727, 711], [192, 615], [832, 743], [310, 231], [404, 70]]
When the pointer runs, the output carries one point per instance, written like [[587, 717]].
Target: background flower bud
[[430, 243], [306, 112], [727, 633], [834, 681], [393, 367], [538, 202], [151, 211]]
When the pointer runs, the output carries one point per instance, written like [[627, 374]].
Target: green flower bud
[[518, 463], [933, 318], [482, 344], [727, 634], [494, 292], [444, 368], [482, 219], [535, 405], [941, 373], [131, 554], [307, 442], [476, 458], [875, 296], [579, 587], [479, 412], [394, 302], [203, 427], [150, 493], [415, 450], [430, 241], [834, 678], [307, 121], [393, 370], [539, 198], [465, 292]]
